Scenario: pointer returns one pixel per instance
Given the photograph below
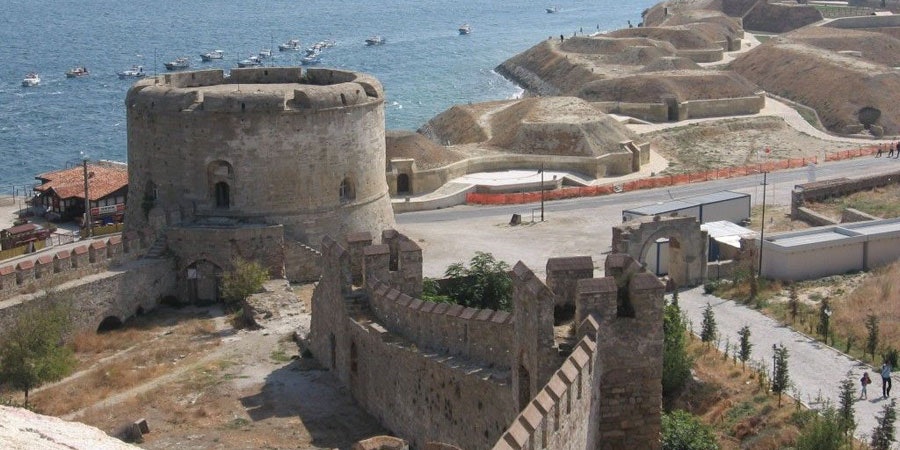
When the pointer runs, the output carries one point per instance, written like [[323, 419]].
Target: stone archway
[[203, 279], [687, 245]]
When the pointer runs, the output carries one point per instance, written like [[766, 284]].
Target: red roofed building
[[62, 192]]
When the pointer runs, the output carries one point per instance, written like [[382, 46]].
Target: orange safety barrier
[[662, 181]]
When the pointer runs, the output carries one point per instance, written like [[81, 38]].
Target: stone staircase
[[158, 249]]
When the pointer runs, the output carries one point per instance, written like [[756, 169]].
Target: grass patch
[[880, 202], [279, 355]]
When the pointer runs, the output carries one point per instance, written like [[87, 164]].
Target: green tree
[[824, 318], [484, 284], [683, 431], [872, 336], [746, 345], [245, 279], [883, 434], [794, 303], [823, 431], [431, 291], [708, 326], [32, 351], [781, 379], [846, 414], [676, 361]]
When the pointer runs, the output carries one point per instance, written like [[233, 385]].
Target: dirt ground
[[208, 385], [735, 142]]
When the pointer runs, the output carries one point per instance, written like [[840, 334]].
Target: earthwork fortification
[[260, 164], [476, 379]]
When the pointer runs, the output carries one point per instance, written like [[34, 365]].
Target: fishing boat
[[552, 9], [178, 64], [292, 45], [375, 40], [209, 56], [265, 53], [465, 29], [251, 61], [77, 72], [133, 72], [32, 79]]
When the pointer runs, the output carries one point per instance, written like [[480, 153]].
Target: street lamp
[[762, 227], [87, 197], [774, 358]]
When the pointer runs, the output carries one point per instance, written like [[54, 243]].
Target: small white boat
[[465, 29], [265, 53], [251, 61], [32, 79], [178, 64], [209, 56], [133, 72], [375, 40], [77, 72], [552, 9], [292, 45]]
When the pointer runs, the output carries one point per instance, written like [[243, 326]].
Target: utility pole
[[542, 191], [762, 228], [87, 198]]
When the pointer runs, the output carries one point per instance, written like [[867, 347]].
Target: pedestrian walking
[[864, 381], [890, 151], [885, 380], [881, 150], [898, 150]]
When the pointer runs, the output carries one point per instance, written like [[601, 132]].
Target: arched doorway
[[203, 278], [403, 186], [685, 246]]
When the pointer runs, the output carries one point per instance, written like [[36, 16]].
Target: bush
[[710, 286], [891, 356], [484, 284], [245, 279], [676, 361], [683, 431], [823, 432]]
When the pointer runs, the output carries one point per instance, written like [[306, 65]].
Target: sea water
[[425, 66]]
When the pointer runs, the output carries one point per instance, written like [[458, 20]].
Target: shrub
[[684, 431], [245, 279]]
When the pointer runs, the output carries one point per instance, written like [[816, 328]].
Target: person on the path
[[898, 150], [890, 150], [881, 150], [864, 381], [885, 380]]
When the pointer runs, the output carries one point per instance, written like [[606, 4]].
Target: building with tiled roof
[[61, 192]]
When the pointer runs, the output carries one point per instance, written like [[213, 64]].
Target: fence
[[22, 249], [104, 230], [656, 182]]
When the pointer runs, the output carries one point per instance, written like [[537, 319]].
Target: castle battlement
[[50, 269], [255, 90], [479, 378]]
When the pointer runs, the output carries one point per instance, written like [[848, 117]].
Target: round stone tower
[[300, 149]]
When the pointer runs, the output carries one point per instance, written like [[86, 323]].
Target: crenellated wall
[[443, 373], [50, 267]]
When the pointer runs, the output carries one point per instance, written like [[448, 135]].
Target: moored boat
[[552, 9], [375, 40], [265, 53], [178, 64], [465, 29], [77, 72], [209, 56], [292, 45], [133, 72], [32, 79], [251, 61]]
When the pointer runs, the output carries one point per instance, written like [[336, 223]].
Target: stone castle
[[474, 379], [261, 164], [286, 167]]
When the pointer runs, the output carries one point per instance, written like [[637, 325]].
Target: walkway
[[815, 370]]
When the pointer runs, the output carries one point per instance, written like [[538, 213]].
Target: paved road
[[816, 370]]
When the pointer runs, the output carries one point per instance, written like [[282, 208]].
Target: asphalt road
[[583, 226]]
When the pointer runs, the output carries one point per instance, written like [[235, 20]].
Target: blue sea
[[425, 65]]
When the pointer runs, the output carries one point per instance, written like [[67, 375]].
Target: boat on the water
[[32, 79], [209, 56], [178, 64], [77, 72], [265, 53], [465, 29], [552, 9], [309, 60], [292, 45], [251, 61], [133, 72], [375, 40]]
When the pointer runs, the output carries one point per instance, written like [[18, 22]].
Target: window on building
[[347, 190], [223, 195]]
